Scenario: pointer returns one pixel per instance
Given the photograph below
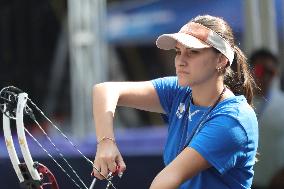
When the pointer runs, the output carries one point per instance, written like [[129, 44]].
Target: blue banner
[[143, 22]]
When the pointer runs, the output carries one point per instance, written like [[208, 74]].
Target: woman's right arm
[[106, 96]]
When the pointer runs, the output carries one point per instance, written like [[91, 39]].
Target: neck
[[206, 94]]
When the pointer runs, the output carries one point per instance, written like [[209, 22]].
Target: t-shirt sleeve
[[166, 88], [222, 142]]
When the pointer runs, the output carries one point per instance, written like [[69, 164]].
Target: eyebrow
[[187, 48]]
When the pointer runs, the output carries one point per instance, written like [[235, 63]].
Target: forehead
[[180, 46]]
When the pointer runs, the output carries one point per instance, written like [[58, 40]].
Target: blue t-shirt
[[228, 139]]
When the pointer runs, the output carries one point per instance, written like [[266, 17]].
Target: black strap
[[199, 125]]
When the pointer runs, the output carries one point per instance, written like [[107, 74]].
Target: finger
[[96, 171], [111, 166], [121, 164], [96, 167], [116, 171], [104, 170]]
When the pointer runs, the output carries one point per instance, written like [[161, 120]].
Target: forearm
[[162, 180], [105, 99], [106, 96], [180, 170]]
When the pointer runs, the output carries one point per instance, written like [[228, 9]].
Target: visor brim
[[168, 41]]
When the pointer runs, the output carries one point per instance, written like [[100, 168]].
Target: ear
[[222, 61]]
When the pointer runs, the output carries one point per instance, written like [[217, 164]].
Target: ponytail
[[238, 77]]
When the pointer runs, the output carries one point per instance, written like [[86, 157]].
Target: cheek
[[208, 65], [200, 68], [203, 71]]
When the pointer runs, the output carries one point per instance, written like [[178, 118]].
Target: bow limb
[[11, 148], [22, 100]]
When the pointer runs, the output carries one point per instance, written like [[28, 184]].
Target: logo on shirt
[[190, 115], [180, 110]]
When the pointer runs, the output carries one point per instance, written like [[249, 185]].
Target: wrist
[[104, 138]]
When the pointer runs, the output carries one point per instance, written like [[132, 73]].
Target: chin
[[183, 83]]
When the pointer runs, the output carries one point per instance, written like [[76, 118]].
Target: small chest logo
[[190, 115], [180, 110]]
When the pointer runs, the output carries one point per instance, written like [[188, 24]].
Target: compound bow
[[32, 175]]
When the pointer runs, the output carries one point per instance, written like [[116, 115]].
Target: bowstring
[[38, 143], [59, 152], [29, 112], [74, 146]]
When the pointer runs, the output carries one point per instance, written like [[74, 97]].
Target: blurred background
[[56, 50]]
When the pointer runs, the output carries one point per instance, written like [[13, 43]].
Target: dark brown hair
[[237, 77], [277, 181]]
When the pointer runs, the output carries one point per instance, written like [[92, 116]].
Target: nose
[[180, 61]]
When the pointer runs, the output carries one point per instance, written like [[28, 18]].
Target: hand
[[108, 159]]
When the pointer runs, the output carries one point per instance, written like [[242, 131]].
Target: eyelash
[[194, 51], [189, 52], [178, 52]]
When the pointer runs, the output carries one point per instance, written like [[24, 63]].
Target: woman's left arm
[[185, 166]]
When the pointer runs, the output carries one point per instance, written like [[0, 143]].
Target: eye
[[178, 52], [192, 51]]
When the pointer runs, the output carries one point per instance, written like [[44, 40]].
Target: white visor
[[194, 35]]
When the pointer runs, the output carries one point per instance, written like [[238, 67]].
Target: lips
[[182, 72]]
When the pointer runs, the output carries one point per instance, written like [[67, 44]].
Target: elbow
[[96, 87], [98, 91], [105, 90]]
